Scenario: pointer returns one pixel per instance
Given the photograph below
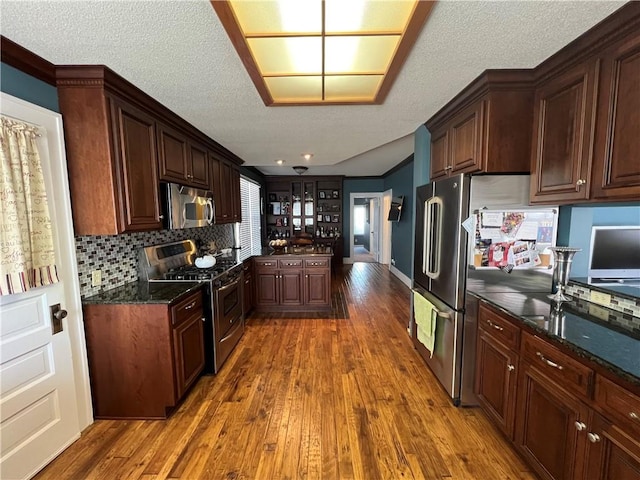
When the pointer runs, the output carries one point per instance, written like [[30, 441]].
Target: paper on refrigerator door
[[470, 225]]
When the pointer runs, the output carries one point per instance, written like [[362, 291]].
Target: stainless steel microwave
[[186, 207]]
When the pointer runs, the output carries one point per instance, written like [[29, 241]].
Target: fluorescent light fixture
[[319, 52]]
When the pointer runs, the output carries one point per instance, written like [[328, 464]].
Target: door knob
[[57, 315]]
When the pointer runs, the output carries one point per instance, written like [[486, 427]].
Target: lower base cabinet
[[292, 283], [551, 426], [568, 421], [611, 453], [143, 357]]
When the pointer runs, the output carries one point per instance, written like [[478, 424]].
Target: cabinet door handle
[[580, 182], [203, 319], [634, 416], [449, 167], [190, 306], [549, 362], [580, 426], [593, 437], [497, 327], [511, 368]]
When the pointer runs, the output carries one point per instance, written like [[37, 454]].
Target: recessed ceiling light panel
[[314, 52]]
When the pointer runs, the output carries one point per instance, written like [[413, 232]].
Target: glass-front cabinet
[[304, 205]]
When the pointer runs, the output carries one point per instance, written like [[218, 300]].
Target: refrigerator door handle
[[426, 243], [433, 237]]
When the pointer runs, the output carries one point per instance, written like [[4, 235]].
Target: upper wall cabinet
[[587, 116], [226, 190], [564, 113], [486, 128], [120, 144], [111, 156], [182, 160]]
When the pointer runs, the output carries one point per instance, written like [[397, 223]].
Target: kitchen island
[[561, 381], [293, 279]]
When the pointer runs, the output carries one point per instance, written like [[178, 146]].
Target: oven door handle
[[229, 285]]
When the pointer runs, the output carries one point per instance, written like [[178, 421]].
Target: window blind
[[250, 237]]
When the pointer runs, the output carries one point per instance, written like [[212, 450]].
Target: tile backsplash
[[116, 256], [626, 306]]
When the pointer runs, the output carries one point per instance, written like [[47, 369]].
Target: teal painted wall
[[581, 219], [28, 88], [421, 168], [355, 185], [401, 183]]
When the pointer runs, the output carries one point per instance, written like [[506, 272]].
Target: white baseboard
[[403, 278]]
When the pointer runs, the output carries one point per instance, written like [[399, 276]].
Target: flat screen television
[[396, 209], [615, 253]]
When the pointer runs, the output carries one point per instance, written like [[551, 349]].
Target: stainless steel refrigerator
[[441, 268]]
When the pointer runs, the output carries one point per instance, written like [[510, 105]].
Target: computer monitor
[[614, 253]]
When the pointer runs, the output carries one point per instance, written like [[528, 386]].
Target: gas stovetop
[[174, 262], [190, 272]]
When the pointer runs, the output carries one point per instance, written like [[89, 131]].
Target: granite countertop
[[606, 337], [309, 250], [143, 292]]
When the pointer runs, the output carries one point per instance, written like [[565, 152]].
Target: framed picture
[[272, 197], [321, 195], [275, 208], [327, 218], [319, 217], [335, 194], [336, 219]]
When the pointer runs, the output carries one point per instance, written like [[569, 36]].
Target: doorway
[[366, 243]]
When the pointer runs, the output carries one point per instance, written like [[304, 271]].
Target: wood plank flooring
[[340, 397]]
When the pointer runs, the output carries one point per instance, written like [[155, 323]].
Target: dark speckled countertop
[[601, 335], [315, 251], [143, 292]]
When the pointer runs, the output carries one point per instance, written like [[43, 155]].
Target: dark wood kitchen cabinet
[[586, 116], [182, 160], [551, 426], [292, 283], [486, 128], [111, 156], [226, 190], [612, 453], [497, 368], [120, 144], [615, 175], [317, 282], [567, 420], [564, 114], [143, 357], [247, 299]]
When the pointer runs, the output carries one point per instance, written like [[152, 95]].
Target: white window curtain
[[250, 237], [27, 256]]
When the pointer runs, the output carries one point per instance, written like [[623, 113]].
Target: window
[[250, 237], [359, 219]]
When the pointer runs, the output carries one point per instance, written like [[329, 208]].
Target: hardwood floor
[[345, 396]]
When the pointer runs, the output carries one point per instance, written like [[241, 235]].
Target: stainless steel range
[[224, 322]]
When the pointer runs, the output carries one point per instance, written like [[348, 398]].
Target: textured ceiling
[[177, 52]]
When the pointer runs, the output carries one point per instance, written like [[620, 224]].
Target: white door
[[374, 215], [38, 395]]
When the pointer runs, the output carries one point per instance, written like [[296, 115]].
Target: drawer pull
[[548, 362], [267, 264], [634, 416], [593, 437], [497, 327], [580, 426], [190, 306], [511, 368]]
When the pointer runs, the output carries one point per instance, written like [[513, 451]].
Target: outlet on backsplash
[[600, 298], [96, 278]]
